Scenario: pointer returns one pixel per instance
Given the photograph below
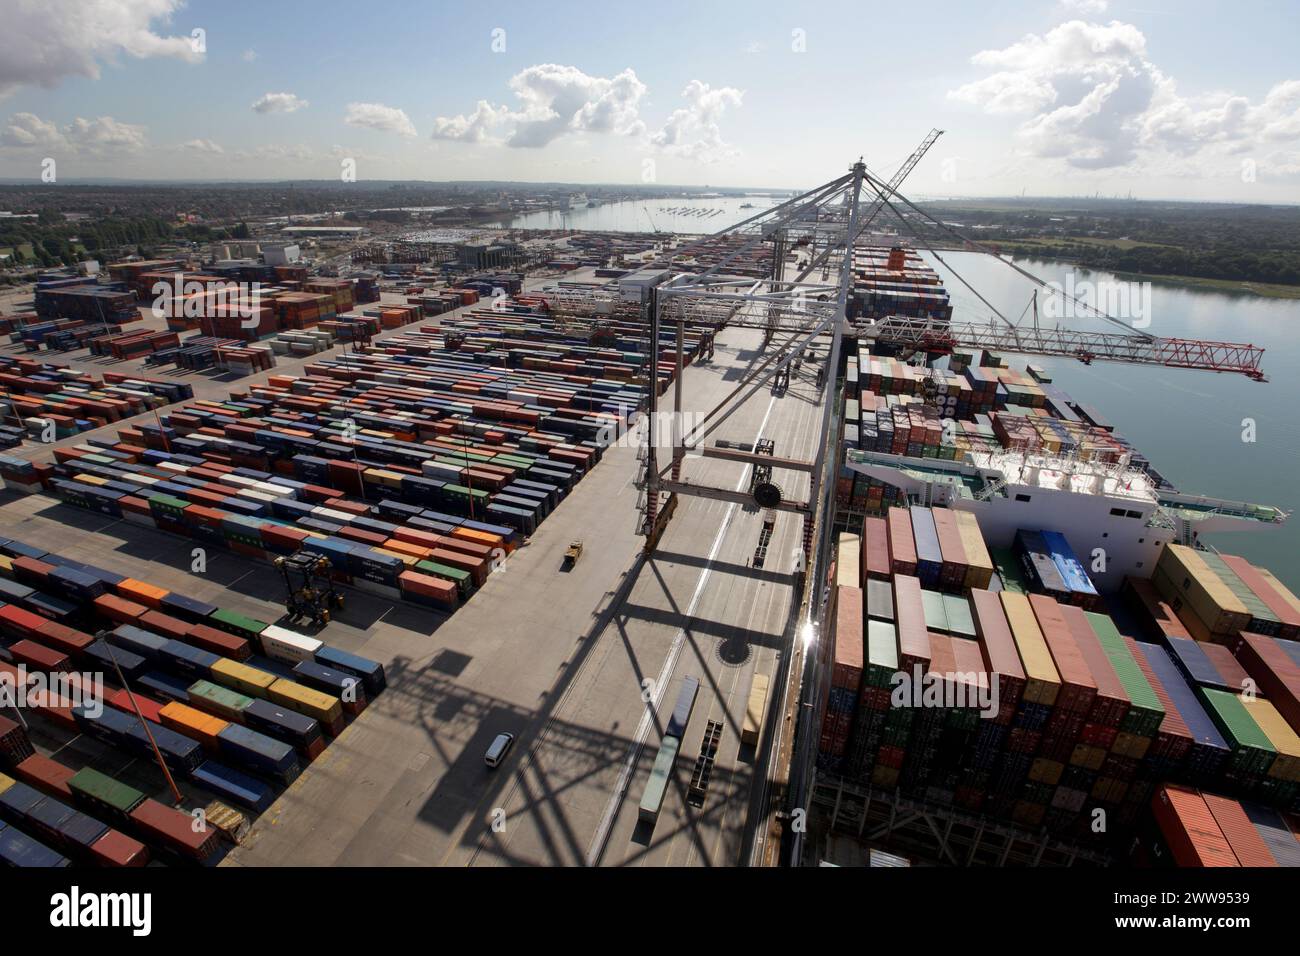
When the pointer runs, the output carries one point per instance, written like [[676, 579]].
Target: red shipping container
[[118, 849], [1111, 705], [902, 546], [32, 572], [1189, 829], [164, 625], [875, 549], [1239, 831], [118, 609], [1275, 673], [998, 650], [1078, 689], [847, 653], [909, 618], [424, 585], [14, 620], [1227, 665], [47, 776], [63, 638], [217, 642], [952, 552], [121, 700], [38, 657], [1283, 609], [174, 830]]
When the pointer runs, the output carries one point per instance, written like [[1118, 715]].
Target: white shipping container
[[289, 647]]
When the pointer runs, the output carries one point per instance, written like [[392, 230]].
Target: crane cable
[[877, 185]]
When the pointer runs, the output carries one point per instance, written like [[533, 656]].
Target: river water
[[1189, 423], [667, 215]]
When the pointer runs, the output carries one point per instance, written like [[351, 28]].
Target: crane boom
[[868, 216], [930, 336]]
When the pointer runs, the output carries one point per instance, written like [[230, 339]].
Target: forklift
[[315, 594]]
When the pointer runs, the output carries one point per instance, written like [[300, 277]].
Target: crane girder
[[941, 337]]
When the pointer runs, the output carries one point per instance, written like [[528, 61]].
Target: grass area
[[1105, 243], [1268, 290]]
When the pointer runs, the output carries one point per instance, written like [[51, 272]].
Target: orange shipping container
[[193, 723]]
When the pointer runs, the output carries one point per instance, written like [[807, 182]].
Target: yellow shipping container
[[979, 565], [1042, 683], [1192, 581], [1131, 745], [241, 677], [1286, 766], [1046, 771], [882, 776], [306, 701]]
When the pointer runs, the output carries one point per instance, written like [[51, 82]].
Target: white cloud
[[202, 146], [248, 56], [279, 103], [554, 100], [100, 135], [1086, 6], [279, 152], [693, 131], [473, 128], [44, 41], [1092, 99], [378, 116]]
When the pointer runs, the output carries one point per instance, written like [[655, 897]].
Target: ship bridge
[[1105, 509]]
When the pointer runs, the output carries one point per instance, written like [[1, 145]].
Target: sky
[[1164, 99]]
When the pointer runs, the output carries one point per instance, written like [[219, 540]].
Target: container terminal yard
[[757, 551]]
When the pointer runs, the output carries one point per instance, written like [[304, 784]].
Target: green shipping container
[[236, 624], [1008, 569], [882, 653], [657, 784], [1146, 713], [1259, 611], [1251, 749], [221, 701], [960, 621], [103, 790], [936, 613], [464, 583]]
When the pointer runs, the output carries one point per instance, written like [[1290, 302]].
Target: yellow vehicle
[[572, 554]]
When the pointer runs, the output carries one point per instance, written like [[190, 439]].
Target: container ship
[[1032, 655]]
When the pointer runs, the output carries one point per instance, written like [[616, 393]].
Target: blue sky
[[1165, 99]]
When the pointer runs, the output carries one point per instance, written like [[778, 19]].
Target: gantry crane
[[1129, 345], [828, 220]]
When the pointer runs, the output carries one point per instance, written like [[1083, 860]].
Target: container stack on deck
[[236, 706], [976, 406], [1188, 828], [1085, 717]]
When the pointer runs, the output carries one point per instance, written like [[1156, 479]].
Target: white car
[[498, 749]]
